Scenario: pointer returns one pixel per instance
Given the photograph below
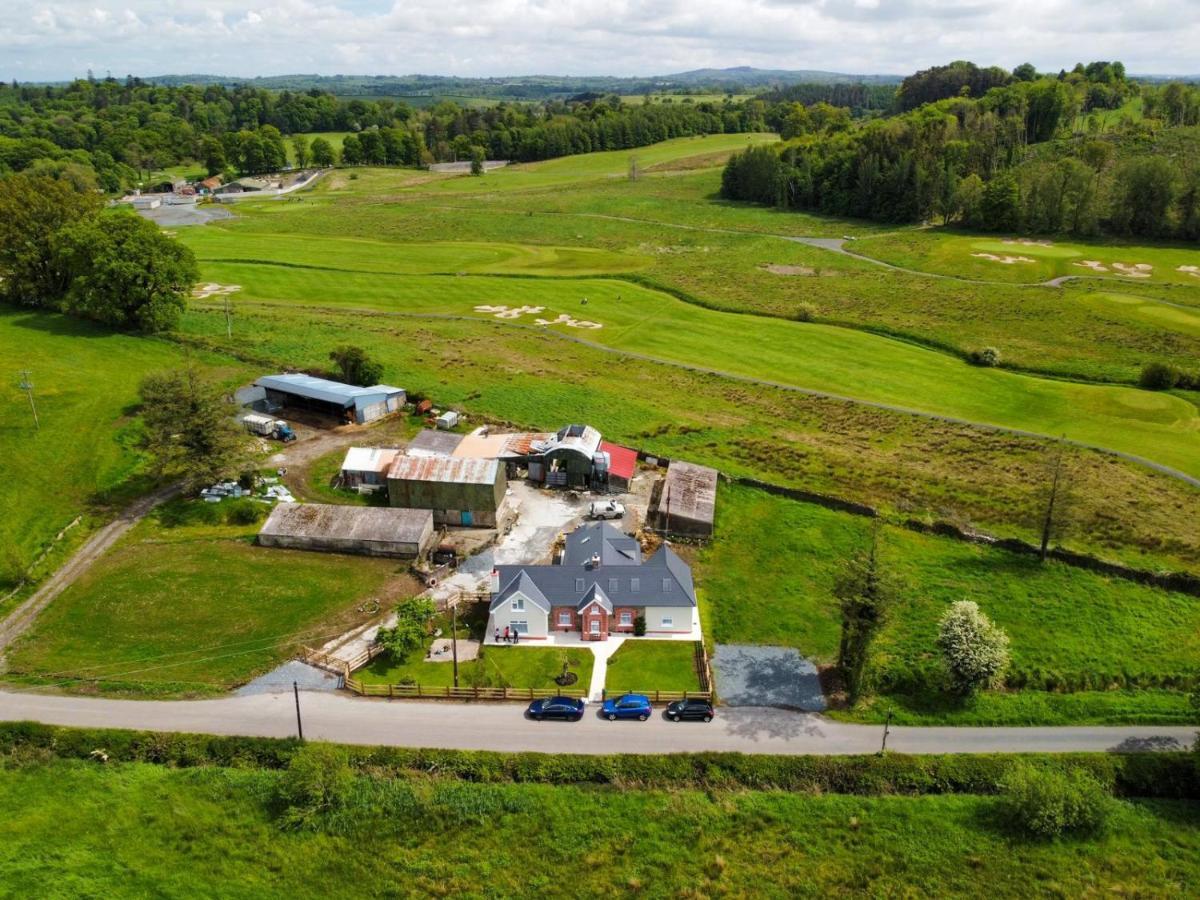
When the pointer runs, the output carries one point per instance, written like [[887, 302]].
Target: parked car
[[628, 706], [569, 708], [607, 509], [690, 710]]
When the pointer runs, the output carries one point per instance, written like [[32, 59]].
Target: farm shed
[[566, 459], [621, 463], [458, 491], [371, 531], [345, 401], [434, 443], [684, 503], [367, 466]]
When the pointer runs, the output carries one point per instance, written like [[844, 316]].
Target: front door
[[467, 518]]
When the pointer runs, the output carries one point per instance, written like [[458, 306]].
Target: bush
[[317, 782], [988, 356], [243, 512], [1158, 376], [804, 312], [975, 650], [1045, 803], [639, 626]]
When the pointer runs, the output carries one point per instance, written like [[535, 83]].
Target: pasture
[[181, 607], [769, 579]]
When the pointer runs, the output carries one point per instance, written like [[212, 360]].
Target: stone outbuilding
[[365, 530], [465, 492], [684, 503]]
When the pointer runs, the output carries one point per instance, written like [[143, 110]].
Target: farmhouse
[[602, 587], [367, 467], [684, 503], [345, 401], [458, 491], [371, 531]]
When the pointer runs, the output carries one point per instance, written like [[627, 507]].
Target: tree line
[[1015, 158]]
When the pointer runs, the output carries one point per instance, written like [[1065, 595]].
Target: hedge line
[[1167, 775], [902, 676]]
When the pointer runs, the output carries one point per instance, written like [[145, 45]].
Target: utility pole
[[887, 726], [27, 387], [454, 637], [299, 724]]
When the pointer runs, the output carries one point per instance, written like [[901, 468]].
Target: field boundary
[[425, 692]]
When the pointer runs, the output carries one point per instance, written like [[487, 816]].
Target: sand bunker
[[1136, 270], [1003, 260], [1025, 242], [788, 270], [515, 312], [1094, 264], [212, 289], [1194, 271]]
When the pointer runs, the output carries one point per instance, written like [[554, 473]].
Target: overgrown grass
[[192, 609], [645, 665], [77, 828]]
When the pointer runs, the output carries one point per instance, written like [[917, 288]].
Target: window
[[595, 626], [668, 621], [635, 584], [666, 585], [579, 585], [519, 625], [612, 585], [626, 618], [518, 603], [564, 617]]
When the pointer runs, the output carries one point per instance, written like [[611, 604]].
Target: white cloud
[[621, 37]]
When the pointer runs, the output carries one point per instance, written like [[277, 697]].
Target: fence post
[[475, 688], [391, 691]]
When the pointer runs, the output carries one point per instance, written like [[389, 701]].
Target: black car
[[696, 710], [569, 708]]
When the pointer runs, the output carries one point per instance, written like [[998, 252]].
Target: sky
[[65, 38]]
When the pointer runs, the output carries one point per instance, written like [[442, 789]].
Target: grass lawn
[[193, 609], [75, 829], [768, 579], [642, 665], [84, 457], [518, 667]]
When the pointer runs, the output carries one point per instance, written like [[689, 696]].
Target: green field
[[769, 578], [652, 666], [193, 609], [84, 457], [76, 828]]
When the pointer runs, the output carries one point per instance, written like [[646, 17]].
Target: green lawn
[[73, 828], [769, 577], [646, 665], [518, 667], [192, 609], [84, 457]]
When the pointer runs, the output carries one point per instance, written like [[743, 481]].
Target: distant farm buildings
[[370, 531], [366, 467], [345, 401]]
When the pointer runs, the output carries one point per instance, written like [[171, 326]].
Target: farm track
[[747, 379], [21, 618]]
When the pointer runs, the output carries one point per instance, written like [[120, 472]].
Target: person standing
[[506, 634]]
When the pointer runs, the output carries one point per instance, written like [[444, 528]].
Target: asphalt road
[[352, 720]]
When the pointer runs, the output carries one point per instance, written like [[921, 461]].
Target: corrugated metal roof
[[622, 460], [378, 524], [428, 442], [690, 491], [368, 459], [320, 388], [451, 469]]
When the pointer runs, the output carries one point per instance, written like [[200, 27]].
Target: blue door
[[467, 518]]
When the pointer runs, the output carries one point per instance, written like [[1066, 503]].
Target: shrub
[[318, 780], [1159, 376], [804, 312], [974, 649], [988, 356], [1047, 803], [243, 512], [639, 626]]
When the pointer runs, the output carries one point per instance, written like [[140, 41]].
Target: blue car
[[569, 708], [628, 706]]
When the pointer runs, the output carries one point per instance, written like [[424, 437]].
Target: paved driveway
[[752, 675]]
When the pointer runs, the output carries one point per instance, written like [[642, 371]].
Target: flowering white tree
[[975, 650]]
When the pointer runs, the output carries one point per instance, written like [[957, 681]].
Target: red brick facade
[[581, 622]]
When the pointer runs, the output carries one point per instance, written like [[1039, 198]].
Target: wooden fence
[[338, 665], [661, 696], [427, 692]]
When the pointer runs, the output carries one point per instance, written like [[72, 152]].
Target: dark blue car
[[627, 706], [569, 708]]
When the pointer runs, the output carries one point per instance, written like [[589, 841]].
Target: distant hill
[[426, 88]]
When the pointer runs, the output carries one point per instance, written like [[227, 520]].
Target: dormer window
[[635, 584], [579, 585], [612, 585], [666, 585]]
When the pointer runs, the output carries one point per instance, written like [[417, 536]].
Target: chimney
[[494, 582], [595, 561]]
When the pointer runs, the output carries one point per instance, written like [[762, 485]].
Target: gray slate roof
[[662, 580]]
